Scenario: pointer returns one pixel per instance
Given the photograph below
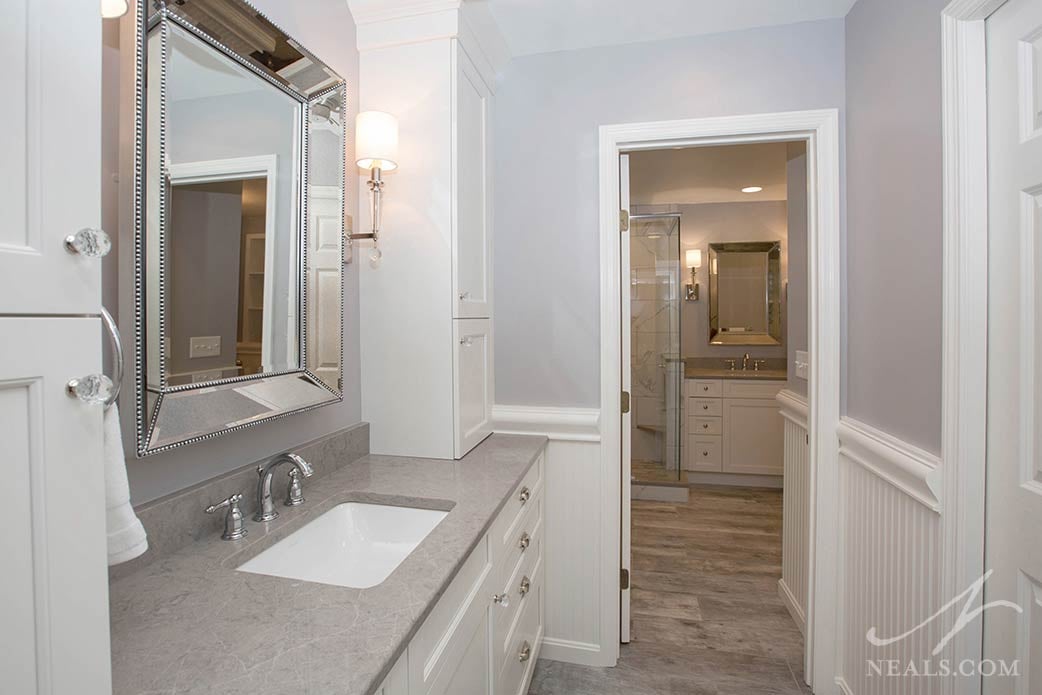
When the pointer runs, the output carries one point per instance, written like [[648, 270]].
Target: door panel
[[1014, 461], [627, 387], [473, 383], [50, 158], [55, 636], [753, 437]]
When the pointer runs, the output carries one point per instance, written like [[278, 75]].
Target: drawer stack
[[732, 426], [703, 425]]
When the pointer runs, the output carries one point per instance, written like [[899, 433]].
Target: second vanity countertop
[[192, 623], [691, 372]]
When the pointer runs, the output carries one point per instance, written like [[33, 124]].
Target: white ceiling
[[696, 175], [541, 26]]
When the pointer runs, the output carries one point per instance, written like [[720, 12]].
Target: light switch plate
[[802, 364], [204, 346]]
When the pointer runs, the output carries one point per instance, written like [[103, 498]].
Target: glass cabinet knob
[[94, 389], [89, 242]]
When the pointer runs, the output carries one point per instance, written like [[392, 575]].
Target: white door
[[626, 375], [325, 262], [472, 388], [49, 137], [54, 621], [1014, 462]]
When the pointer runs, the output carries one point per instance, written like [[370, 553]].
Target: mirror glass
[[241, 180], [745, 293]]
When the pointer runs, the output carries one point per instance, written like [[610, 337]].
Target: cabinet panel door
[[472, 402], [472, 674], [51, 155], [472, 213], [753, 434], [55, 634]]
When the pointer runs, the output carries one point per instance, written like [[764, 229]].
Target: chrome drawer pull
[[526, 586], [705, 406], [705, 453], [501, 600], [525, 541], [705, 388], [705, 425], [525, 495], [526, 652]]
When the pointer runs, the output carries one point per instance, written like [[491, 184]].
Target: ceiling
[[541, 26], [696, 175]]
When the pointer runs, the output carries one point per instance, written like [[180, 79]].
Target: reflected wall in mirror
[[745, 293], [239, 244]]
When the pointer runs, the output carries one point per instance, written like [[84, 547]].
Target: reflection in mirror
[[239, 292], [745, 293]]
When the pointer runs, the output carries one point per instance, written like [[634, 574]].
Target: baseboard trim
[[564, 424], [569, 651], [736, 479], [908, 468], [793, 606], [660, 493]]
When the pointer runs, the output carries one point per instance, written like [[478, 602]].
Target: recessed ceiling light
[[752, 189]]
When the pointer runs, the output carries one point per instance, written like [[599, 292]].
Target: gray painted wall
[[548, 109], [893, 66], [796, 299], [327, 29]]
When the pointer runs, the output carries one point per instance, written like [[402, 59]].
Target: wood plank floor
[[707, 619]]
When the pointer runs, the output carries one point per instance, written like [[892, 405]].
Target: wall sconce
[[376, 147], [113, 9], [693, 260]]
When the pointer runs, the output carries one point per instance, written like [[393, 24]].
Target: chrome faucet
[[265, 505], [745, 361]]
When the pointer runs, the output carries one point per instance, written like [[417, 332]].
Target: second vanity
[[462, 613], [731, 422]]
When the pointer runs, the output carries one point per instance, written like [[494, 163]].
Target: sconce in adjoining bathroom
[[376, 149], [693, 260]]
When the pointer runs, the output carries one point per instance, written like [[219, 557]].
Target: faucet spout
[[265, 504]]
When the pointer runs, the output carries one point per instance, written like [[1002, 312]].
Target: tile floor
[[707, 619]]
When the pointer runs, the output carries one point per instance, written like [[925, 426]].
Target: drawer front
[[703, 388], [523, 647], [704, 425], [520, 539], [704, 407], [438, 645], [736, 388], [704, 454], [520, 582], [508, 525]]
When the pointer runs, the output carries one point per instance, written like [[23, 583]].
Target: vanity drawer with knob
[[704, 454], [704, 425], [704, 407], [512, 519], [703, 388]]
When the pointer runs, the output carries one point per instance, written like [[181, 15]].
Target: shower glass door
[[657, 368]]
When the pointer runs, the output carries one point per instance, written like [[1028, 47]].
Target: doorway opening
[[731, 293]]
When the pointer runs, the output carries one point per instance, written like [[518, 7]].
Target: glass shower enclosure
[[657, 368]]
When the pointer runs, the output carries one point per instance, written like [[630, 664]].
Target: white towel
[[126, 534]]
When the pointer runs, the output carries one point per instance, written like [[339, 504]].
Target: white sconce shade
[[693, 258], [376, 140], [113, 9]]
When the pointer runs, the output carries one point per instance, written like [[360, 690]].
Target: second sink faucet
[[745, 362], [265, 504]]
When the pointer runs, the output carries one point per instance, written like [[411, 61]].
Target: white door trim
[[965, 301], [821, 131]]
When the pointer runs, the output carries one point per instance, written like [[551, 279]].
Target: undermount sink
[[354, 544]]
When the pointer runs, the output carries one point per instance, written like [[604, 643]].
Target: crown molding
[[373, 11]]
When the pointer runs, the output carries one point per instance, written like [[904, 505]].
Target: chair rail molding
[[820, 129], [965, 310], [561, 424]]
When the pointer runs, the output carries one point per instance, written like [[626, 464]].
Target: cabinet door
[[753, 434], [472, 673], [472, 401], [472, 213], [51, 155], [55, 635]]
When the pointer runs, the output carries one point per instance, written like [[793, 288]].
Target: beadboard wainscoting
[[573, 541], [796, 506], [891, 568]]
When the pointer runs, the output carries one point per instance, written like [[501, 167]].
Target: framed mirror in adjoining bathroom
[[240, 184], [745, 293]]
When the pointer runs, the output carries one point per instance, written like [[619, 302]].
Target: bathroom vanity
[[462, 613], [731, 422]]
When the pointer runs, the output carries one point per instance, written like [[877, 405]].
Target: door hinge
[[624, 220], [624, 579], [625, 402]]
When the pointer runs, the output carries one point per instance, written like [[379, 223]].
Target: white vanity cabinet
[[484, 634], [733, 426], [426, 309]]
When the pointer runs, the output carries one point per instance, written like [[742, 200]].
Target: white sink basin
[[354, 544]]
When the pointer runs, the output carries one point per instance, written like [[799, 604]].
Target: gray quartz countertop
[[192, 623], [710, 373]]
